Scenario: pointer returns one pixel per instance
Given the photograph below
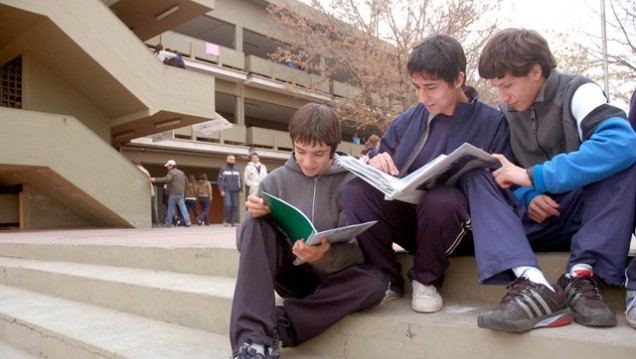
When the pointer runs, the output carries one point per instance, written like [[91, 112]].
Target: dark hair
[[515, 52], [471, 92], [439, 56], [203, 177], [315, 124]]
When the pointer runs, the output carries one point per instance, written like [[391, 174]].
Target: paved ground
[[215, 234]]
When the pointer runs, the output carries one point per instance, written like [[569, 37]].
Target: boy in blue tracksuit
[[575, 169], [439, 225]]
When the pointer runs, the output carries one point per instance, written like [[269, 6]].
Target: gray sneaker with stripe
[[527, 306]]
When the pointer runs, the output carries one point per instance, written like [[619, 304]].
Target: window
[[11, 74]]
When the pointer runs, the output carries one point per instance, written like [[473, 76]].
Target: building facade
[[83, 95]]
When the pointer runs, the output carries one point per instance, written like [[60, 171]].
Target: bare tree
[[621, 50], [366, 43], [622, 53]]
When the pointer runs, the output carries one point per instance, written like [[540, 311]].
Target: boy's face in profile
[[313, 159], [437, 95], [520, 92]]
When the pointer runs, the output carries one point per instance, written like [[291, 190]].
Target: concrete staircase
[[166, 293]]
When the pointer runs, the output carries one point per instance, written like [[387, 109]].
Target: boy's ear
[[535, 72], [461, 77]]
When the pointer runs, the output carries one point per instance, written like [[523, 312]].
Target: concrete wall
[[41, 211], [49, 93]]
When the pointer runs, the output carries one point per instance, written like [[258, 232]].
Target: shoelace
[[515, 289], [587, 286]]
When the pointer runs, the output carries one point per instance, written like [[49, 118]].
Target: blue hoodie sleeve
[[610, 149]]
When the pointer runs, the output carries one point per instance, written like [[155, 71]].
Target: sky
[[579, 20]]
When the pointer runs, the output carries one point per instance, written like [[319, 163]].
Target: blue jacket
[[477, 123], [563, 152], [229, 179]]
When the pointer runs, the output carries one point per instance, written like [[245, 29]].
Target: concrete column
[[238, 38], [239, 111]]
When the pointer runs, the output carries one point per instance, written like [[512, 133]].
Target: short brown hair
[[313, 124], [515, 52]]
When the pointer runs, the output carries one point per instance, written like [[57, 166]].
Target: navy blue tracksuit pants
[[432, 230], [313, 300], [595, 225]]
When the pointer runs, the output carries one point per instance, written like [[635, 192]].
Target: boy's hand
[[384, 162], [309, 253], [256, 207], [543, 207], [509, 174]]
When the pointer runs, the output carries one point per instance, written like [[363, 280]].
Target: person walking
[[204, 199], [176, 184], [191, 196]]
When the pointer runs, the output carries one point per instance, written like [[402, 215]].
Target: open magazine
[[297, 226], [444, 169]]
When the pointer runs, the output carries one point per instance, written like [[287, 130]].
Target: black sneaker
[[527, 306], [284, 335], [585, 299]]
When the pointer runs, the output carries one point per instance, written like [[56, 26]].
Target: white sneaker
[[630, 311], [426, 298]]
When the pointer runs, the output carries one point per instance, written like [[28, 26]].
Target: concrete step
[[9, 352], [207, 250], [195, 301], [210, 251], [204, 303], [201, 302], [54, 328], [395, 331]]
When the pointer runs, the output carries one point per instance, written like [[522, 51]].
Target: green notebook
[[297, 225]]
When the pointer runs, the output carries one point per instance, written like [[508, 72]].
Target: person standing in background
[[153, 194], [371, 148], [204, 199], [230, 187], [191, 196], [356, 139], [255, 171]]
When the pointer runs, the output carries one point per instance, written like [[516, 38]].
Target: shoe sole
[[554, 320], [427, 309], [594, 321]]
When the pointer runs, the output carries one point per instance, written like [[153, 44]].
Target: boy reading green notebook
[[297, 226]]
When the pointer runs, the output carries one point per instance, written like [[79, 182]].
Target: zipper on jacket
[[535, 131], [418, 147], [313, 200]]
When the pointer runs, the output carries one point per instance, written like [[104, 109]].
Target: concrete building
[[83, 95]]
